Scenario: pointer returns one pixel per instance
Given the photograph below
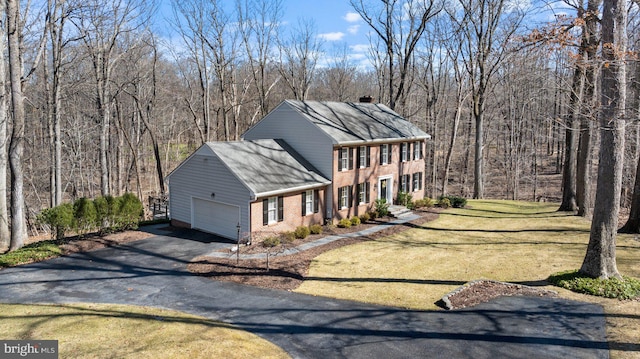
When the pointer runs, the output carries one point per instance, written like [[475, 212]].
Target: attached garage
[[215, 217], [214, 188]]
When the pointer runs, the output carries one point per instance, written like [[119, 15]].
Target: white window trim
[[385, 154], [272, 210], [344, 165], [309, 205], [362, 154], [404, 152], [417, 151], [344, 197]]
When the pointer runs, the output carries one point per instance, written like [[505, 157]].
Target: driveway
[[152, 272]]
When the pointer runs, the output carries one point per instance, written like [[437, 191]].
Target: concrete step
[[399, 211]]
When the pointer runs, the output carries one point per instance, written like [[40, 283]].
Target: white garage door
[[215, 217]]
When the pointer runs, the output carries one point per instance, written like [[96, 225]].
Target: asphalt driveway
[[152, 272]]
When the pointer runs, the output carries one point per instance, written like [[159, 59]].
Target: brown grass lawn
[[519, 242], [118, 331]]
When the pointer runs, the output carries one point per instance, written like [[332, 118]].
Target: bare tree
[[101, 24], [16, 147], [5, 235], [587, 113], [400, 25], [258, 22], [299, 57], [600, 259], [487, 28]]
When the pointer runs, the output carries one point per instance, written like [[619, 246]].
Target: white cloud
[[332, 36], [353, 29], [352, 17], [360, 48]]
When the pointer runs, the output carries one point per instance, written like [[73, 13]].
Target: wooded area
[[94, 102]]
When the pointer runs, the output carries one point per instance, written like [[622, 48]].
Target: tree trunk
[[478, 181], [583, 177], [5, 235], [571, 142], [600, 259], [16, 147]]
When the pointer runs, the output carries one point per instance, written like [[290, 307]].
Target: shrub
[[373, 215], [423, 203], [59, 219], [130, 211], [444, 202], [455, 201], [271, 241], [381, 207], [365, 217], [355, 221], [85, 214], [625, 288], [106, 212], [404, 198], [287, 237], [344, 223], [315, 229], [302, 232]]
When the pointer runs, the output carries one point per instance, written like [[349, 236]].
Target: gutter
[[255, 196]]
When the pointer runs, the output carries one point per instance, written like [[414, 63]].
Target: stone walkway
[[324, 240]]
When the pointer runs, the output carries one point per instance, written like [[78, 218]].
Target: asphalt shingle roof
[[267, 166], [347, 122]]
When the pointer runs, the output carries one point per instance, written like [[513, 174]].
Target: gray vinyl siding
[[201, 175], [303, 136]]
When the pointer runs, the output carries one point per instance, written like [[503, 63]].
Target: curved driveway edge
[[152, 272]]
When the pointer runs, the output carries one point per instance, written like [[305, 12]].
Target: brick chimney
[[366, 99]]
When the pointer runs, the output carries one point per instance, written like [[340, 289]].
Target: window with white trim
[[384, 154], [308, 202], [273, 210], [404, 183], [363, 193], [417, 150], [404, 152], [417, 181], [362, 156], [344, 194], [344, 159]]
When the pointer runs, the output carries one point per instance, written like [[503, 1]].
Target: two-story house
[[304, 163]]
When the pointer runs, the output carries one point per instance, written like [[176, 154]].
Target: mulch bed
[[287, 272], [480, 291]]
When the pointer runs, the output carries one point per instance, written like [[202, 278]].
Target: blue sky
[[336, 23]]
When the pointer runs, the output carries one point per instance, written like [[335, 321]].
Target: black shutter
[[367, 192], [350, 159], [389, 152], [316, 207], [339, 159], [381, 155], [265, 212], [350, 199], [358, 164], [280, 209], [304, 203], [368, 149]]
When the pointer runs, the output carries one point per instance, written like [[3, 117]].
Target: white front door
[[385, 188]]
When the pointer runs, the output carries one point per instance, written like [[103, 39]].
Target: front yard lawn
[[118, 331], [517, 242]]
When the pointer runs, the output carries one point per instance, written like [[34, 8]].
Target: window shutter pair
[[315, 202], [265, 210], [367, 157]]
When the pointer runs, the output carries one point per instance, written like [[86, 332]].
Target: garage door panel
[[216, 217]]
